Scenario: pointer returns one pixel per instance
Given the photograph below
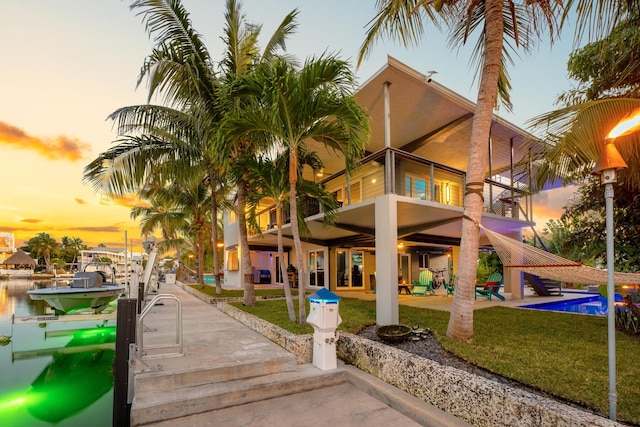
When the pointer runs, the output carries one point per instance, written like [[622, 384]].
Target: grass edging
[[477, 400]]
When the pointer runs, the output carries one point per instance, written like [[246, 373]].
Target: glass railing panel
[[365, 183], [426, 181]]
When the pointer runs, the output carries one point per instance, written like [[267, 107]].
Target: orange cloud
[[60, 147], [101, 229], [31, 220], [80, 201], [129, 201]]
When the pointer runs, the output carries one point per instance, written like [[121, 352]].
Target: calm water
[[56, 373]]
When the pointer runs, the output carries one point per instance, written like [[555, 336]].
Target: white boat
[[86, 290]]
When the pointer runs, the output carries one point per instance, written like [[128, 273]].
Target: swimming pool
[[594, 305]]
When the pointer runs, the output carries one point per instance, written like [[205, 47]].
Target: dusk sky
[[67, 64]]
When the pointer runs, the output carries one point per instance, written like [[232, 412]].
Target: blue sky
[[67, 64]]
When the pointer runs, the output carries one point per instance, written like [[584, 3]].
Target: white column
[[387, 116], [386, 260], [512, 277]]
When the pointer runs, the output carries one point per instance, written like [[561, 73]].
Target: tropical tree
[[45, 246], [618, 54], [242, 56], [71, 247], [577, 235], [608, 88], [269, 178], [501, 26], [181, 70], [185, 209], [291, 106]]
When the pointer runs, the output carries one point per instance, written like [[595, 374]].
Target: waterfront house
[[401, 211]]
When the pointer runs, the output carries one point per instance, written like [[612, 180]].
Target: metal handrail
[[140, 327]]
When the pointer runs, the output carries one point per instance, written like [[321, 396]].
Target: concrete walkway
[[231, 375]]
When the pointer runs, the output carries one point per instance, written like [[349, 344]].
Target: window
[[423, 261], [232, 260], [415, 187]]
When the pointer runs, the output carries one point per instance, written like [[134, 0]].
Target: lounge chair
[[490, 288], [424, 284], [451, 286]]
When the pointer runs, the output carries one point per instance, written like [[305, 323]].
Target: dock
[[230, 375]]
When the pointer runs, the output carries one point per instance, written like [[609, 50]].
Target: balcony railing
[[392, 171]]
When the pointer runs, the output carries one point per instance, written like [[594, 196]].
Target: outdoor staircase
[[224, 365], [543, 287], [163, 396]]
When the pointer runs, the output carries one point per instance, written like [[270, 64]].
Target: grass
[[226, 293], [564, 355]]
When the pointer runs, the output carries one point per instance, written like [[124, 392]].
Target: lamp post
[[609, 162]]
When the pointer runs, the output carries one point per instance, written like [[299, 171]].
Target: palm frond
[[576, 135], [401, 20]]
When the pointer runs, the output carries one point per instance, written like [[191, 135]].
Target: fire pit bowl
[[393, 334]]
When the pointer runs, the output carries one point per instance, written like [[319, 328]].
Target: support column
[[386, 260], [387, 116], [512, 277]]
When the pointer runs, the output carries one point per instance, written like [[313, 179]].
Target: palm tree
[[181, 70], [180, 206], [609, 76], [576, 134], [242, 56], [499, 23], [290, 107], [269, 179], [71, 246], [45, 246]]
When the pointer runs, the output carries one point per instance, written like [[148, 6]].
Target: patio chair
[[490, 288], [451, 286], [423, 285]]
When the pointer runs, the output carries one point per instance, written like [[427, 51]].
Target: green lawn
[[562, 354], [226, 293]]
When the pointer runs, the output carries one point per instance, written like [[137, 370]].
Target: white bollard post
[[324, 316]]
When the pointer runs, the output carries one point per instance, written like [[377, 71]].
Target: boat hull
[[66, 298]]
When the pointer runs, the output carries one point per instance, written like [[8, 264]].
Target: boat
[[85, 290]]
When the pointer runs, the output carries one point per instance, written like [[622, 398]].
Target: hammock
[[515, 254]]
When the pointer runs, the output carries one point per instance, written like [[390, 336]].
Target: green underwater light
[[12, 401], [73, 380]]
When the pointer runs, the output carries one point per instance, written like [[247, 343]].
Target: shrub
[[628, 315]]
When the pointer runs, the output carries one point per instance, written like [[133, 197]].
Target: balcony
[[393, 171]]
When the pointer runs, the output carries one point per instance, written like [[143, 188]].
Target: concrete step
[[175, 373], [162, 405]]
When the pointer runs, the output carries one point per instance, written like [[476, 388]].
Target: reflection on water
[[55, 373], [15, 300]]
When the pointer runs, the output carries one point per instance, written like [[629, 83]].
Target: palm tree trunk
[[200, 269], [214, 236], [283, 269], [249, 297], [295, 231], [461, 319]]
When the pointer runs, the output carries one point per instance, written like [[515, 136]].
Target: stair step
[[155, 406], [171, 377]]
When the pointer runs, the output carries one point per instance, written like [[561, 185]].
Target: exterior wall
[[513, 280]]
